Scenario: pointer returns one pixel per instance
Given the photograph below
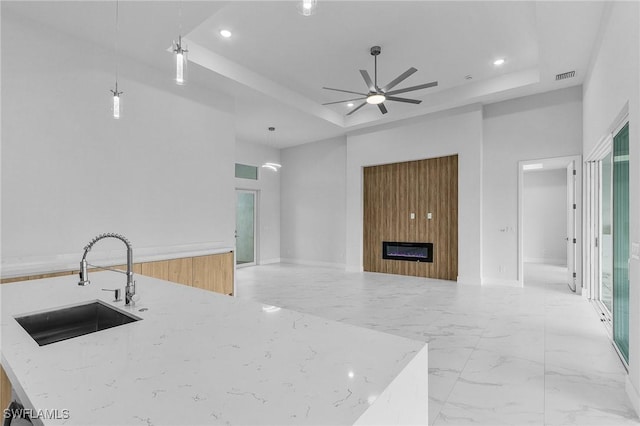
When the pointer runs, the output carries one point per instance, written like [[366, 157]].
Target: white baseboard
[[313, 263], [546, 261], [633, 395], [464, 280], [270, 261], [501, 282]]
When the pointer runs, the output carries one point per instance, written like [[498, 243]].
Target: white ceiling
[[277, 61]]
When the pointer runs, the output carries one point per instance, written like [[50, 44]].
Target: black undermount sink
[[69, 322]]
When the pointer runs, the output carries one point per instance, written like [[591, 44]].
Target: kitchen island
[[199, 357]]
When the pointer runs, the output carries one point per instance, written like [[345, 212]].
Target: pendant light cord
[[180, 18], [375, 71], [115, 43]]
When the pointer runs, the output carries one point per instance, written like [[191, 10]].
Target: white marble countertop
[[199, 357], [33, 265]]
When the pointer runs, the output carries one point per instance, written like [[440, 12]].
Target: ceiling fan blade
[[346, 100], [399, 79], [383, 109], [356, 108], [367, 79], [410, 101], [409, 89], [345, 91]]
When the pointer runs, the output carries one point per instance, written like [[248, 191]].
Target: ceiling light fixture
[[225, 33], [308, 7], [181, 53], [350, 104], [115, 109], [376, 98], [498, 62]]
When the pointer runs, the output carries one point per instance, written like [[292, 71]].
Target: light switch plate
[[412, 215], [635, 251], [429, 216]]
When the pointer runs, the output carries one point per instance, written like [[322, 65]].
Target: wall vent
[[565, 75]]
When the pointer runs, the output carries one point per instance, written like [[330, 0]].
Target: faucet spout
[[130, 289]]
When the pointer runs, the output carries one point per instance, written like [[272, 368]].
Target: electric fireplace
[[413, 252]]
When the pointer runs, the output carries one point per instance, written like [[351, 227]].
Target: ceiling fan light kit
[[378, 95]]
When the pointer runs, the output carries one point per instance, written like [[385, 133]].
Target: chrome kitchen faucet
[[130, 289]]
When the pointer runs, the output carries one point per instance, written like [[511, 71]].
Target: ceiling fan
[[378, 95]]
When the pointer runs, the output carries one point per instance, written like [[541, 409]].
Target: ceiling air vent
[[565, 75]]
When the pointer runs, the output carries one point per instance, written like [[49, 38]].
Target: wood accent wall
[[391, 193]]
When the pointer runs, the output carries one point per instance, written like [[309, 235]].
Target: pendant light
[[180, 51], [307, 7], [116, 105], [116, 101], [272, 166]]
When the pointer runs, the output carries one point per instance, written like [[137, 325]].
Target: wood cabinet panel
[[181, 271], [214, 272], [137, 268], [158, 269], [391, 194], [5, 389]]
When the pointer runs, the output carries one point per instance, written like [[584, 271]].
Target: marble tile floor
[[536, 355]]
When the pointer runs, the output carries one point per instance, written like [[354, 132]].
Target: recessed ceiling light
[[468, 77], [350, 104], [225, 33], [498, 62]]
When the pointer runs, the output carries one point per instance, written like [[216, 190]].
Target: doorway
[[246, 214], [548, 219]]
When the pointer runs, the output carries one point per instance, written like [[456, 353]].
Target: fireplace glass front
[[414, 252]]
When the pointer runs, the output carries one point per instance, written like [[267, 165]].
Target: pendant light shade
[[307, 7], [116, 108], [181, 61]]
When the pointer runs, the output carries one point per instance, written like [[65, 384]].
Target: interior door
[[606, 233], [245, 227], [571, 226]]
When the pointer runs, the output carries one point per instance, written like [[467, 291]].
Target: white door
[[571, 226], [245, 227]]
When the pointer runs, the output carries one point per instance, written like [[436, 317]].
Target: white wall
[[313, 203], [534, 127], [613, 86], [162, 175], [451, 132], [268, 188], [545, 216]]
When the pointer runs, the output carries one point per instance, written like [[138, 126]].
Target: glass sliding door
[[606, 232], [621, 241]]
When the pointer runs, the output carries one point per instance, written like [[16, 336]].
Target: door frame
[[256, 227], [553, 163], [592, 216]]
